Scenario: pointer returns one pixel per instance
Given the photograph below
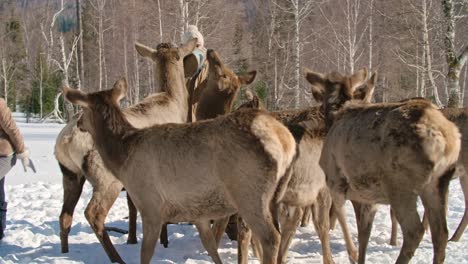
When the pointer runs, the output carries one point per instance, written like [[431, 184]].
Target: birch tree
[[299, 9], [455, 62]]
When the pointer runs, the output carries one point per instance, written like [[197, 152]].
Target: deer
[[307, 187], [195, 171], [214, 95], [459, 116], [387, 153], [79, 160]]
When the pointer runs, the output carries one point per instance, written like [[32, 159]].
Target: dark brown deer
[[388, 153]]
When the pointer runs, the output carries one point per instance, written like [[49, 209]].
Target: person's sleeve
[[9, 126]]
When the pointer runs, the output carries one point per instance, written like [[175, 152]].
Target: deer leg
[[244, 235], [394, 234], [434, 199], [132, 218], [263, 227], [208, 240], [72, 188], [231, 228], [151, 231], [365, 214], [321, 218], [96, 213], [291, 217], [404, 205], [218, 228], [307, 212], [333, 217], [163, 237], [461, 227], [340, 213], [256, 248]]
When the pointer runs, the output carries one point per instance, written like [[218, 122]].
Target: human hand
[[26, 161]]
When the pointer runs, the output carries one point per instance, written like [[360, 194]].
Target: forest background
[[418, 47]]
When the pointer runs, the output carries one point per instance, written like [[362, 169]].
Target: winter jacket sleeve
[[9, 127]]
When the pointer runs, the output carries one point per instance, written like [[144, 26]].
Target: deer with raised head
[[79, 160], [387, 153], [194, 172], [214, 94]]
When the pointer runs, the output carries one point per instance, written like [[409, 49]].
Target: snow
[[35, 200]]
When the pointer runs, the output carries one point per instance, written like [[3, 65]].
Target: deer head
[[94, 104], [253, 102], [166, 51], [223, 78], [334, 90], [169, 65]]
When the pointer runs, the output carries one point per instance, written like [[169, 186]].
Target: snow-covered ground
[[35, 201]]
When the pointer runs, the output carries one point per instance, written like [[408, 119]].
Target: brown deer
[[214, 94], [459, 116], [388, 153], [307, 187], [194, 172], [79, 160]]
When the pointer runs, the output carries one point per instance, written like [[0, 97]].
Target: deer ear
[[366, 91], [317, 81], [190, 65], [247, 78], [145, 51], [213, 57], [119, 90], [75, 97], [358, 78], [188, 47]]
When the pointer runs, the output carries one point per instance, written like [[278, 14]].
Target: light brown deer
[[215, 93], [79, 160], [459, 116], [388, 153], [307, 187], [194, 172]]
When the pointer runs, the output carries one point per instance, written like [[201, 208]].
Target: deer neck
[[170, 77], [111, 136]]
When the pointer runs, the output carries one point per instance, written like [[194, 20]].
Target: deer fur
[[307, 187], [79, 160], [388, 153], [459, 116], [191, 172], [215, 96]]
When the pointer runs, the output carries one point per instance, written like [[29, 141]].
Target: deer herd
[[267, 169]]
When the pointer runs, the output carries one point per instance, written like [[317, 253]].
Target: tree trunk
[[182, 22], [80, 57], [427, 48], [68, 106], [296, 56], [5, 80], [160, 23], [41, 99], [370, 34], [455, 63]]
